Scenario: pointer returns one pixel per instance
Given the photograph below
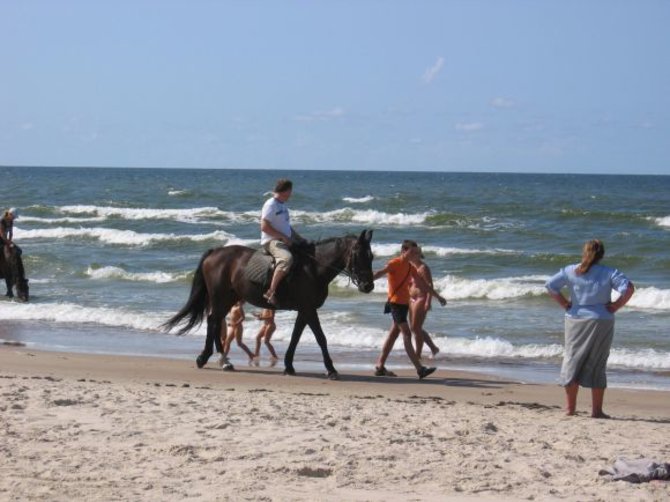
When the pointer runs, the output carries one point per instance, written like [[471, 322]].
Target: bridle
[[350, 270]]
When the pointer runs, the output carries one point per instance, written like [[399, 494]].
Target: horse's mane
[[329, 240]]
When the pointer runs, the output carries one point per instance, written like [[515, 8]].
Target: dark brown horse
[[231, 273], [11, 269]]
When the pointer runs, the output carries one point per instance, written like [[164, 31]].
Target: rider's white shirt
[[276, 213]]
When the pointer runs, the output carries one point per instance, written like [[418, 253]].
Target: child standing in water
[[267, 316], [236, 330]]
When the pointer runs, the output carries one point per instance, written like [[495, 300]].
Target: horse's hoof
[[289, 372], [228, 367], [200, 361], [333, 375]]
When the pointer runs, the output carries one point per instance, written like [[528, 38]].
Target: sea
[[110, 255]]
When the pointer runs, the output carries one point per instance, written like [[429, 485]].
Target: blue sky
[[469, 85]]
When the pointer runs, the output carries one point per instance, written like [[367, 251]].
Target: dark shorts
[[399, 312]]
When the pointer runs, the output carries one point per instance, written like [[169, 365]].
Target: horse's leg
[[298, 328], [315, 325], [214, 322], [9, 283], [207, 351]]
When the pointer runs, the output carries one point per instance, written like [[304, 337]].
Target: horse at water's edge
[[222, 279], [11, 269]]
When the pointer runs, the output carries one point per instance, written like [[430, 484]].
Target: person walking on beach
[[419, 305], [236, 330], [589, 323], [399, 272], [277, 234], [268, 326]]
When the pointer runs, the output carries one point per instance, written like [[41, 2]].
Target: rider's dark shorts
[[399, 312]]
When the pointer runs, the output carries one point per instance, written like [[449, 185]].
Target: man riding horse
[[277, 235], [7, 231]]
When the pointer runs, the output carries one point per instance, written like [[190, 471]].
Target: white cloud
[[430, 74], [322, 115], [501, 102], [469, 126]]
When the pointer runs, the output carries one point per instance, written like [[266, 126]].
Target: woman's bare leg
[[597, 398], [571, 391]]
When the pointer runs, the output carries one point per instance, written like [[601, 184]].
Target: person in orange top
[[400, 273]]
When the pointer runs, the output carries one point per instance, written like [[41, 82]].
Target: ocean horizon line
[[344, 170]]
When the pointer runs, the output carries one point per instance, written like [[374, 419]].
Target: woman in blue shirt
[[589, 322]]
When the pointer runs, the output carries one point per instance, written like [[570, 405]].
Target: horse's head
[[360, 263]]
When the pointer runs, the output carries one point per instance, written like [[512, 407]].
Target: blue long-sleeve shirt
[[591, 292]]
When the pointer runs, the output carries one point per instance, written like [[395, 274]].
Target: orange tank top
[[399, 274]]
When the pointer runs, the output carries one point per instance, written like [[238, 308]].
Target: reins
[[347, 270]]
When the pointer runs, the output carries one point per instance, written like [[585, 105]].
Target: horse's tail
[[196, 304]]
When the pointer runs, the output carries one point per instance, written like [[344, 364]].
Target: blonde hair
[[592, 253]]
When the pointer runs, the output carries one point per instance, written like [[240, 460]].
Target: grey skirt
[[587, 347]]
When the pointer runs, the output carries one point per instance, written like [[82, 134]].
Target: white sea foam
[[340, 328], [66, 219], [650, 298], [450, 251], [346, 216], [394, 249], [126, 237], [664, 222], [457, 288], [359, 200], [120, 273], [77, 314], [200, 214], [342, 333], [385, 249], [489, 347], [644, 359], [361, 217], [127, 213], [504, 288]]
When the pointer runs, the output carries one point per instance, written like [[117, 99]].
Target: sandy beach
[[87, 427]]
